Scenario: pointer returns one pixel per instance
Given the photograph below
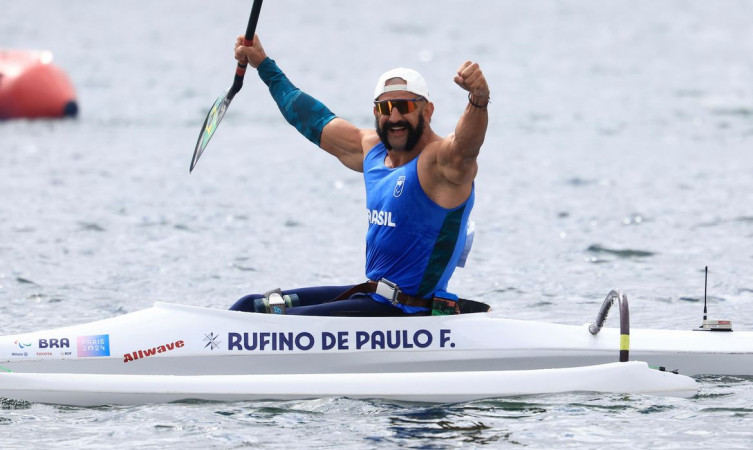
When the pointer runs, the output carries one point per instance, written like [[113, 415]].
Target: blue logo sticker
[[95, 345]]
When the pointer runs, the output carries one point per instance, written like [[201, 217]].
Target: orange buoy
[[32, 87]]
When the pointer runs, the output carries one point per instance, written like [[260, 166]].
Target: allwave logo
[[399, 186], [145, 353]]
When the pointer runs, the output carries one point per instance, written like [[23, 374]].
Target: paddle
[[217, 112]]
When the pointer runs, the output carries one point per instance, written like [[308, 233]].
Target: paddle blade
[[216, 113]]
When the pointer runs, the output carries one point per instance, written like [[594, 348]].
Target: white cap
[[414, 83]]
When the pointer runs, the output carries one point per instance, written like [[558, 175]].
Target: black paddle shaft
[[240, 71]]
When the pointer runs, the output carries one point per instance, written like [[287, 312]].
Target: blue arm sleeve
[[307, 114]]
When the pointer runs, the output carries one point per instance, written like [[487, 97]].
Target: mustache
[[400, 123], [414, 133]]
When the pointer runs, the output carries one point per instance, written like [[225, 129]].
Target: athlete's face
[[399, 120]]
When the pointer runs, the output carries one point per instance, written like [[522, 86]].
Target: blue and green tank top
[[411, 240]]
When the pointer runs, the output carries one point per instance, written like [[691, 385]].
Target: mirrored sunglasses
[[404, 106]]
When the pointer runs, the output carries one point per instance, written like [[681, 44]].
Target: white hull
[[445, 387], [172, 352], [190, 340]]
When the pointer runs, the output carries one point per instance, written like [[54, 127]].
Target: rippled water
[[618, 156]]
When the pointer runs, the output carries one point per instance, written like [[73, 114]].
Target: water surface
[[618, 156]]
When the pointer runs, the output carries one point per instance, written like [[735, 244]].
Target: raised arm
[[308, 115], [448, 168], [456, 159]]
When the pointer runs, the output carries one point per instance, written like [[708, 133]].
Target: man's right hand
[[253, 54]]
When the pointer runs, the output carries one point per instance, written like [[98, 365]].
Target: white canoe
[[172, 352], [445, 387], [171, 339]]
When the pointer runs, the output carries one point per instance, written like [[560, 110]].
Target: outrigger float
[[171, 352]]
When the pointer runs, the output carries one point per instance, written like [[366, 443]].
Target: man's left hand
[[471, 78]]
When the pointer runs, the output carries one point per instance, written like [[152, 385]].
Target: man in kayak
[[419, 188]]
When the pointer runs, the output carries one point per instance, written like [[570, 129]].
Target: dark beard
[[414, 134]]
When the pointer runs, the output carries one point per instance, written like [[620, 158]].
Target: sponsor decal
[[94, 345], [399, 186], [339, 340], [144, 353], [213, 341], [21, 344]]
